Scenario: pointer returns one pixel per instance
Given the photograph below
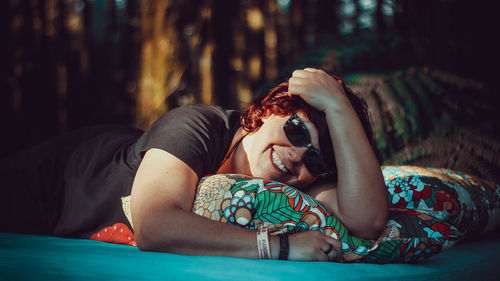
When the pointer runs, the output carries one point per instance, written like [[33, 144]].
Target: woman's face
[[271, 155]]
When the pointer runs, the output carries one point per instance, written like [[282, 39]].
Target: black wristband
[[284, 246]]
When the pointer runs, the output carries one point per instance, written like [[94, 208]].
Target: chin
[[260, 172]]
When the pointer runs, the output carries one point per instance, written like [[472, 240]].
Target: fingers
[[310, 69], [311, 79], [297, 86], [321, 256], [329, 252], [307, 72], [332, 248], [327, 249], [300, 83], [314, 73], [300, 73], [313, 245], [336, 250]]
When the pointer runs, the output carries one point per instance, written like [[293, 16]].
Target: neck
[[235, 160]]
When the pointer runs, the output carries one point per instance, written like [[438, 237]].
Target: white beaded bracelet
[[263, 243]]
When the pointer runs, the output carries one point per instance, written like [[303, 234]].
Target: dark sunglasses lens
[[296, 133], [315, 163]]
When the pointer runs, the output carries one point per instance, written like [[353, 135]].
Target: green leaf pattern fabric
[[430, 210]]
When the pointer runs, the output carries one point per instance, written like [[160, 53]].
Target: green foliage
[[433, 118]]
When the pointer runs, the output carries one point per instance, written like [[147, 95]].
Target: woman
[[287, 144]]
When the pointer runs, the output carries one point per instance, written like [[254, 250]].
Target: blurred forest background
[[427, 68]]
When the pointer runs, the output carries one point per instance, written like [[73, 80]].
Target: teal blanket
[[32, 257]]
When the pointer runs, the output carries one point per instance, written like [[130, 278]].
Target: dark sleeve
[[199, 135]]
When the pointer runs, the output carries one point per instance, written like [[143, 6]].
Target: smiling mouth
[[277, 162]]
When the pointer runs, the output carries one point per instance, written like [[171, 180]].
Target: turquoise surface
[[32, 257]]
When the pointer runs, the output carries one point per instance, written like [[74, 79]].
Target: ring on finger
[[329, 249], [332, 256]]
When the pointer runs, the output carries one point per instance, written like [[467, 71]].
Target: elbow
[[372, 232], [144, 243], [149, 239], [377, 228], [375, 223], [157, 230], [371, 229], [150, 243]]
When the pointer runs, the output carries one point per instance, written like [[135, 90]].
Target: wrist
[[284, 246], [339, 105], [274, 243], [263, 243]]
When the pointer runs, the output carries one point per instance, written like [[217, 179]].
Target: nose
[[296, 153]]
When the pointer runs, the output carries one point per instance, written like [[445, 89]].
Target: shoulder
[[202, 110], [199, 135], [201, 115]]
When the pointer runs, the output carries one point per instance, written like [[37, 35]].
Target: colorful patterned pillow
[[431, 209], [469, 203]]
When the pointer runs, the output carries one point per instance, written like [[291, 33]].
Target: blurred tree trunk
[[11, 97], [358, 10], [380, 25], [205, 59], [131, 53], [224, 12], [298, 10], [271, 40], [161, 71], [81, 92], [327, 17], [73, 66], [426, 27], [254, 32], [31, 71], [238, 59]]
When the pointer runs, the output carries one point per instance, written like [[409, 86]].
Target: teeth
[[278, 163]]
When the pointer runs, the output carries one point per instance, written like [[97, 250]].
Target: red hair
[[279, 102]]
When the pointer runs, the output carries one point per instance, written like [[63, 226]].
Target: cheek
[[261, 142], [260, 159], [256, 155]]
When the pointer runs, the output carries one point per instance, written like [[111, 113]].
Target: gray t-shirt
[[72, 186], [199, 135]]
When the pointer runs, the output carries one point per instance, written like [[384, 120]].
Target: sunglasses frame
[[310, 149]]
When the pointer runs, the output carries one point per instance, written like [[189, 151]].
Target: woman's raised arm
[[162, 197], [359, 200]]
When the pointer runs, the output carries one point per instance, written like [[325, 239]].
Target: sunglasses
[[298, 135]]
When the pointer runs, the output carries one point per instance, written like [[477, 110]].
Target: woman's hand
[[314, 246], [318, 89]]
